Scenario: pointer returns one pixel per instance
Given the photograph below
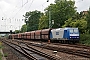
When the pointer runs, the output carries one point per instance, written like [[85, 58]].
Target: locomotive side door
[[65, 34]]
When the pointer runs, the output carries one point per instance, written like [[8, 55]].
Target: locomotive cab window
[[71, 30], [75, 30]]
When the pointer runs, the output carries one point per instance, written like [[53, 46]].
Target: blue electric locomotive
[[65, 34]]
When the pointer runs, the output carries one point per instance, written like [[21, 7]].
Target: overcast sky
[[12, 11]]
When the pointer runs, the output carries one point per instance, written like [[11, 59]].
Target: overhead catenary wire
[[41, 4], [31, 4], [24, 3], [37, 6], [3, 12], [20, 8], [23, 6], [15, 8]]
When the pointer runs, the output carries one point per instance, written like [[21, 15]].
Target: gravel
[[11, 54], [62, 56]]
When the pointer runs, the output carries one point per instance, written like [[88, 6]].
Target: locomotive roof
[[70, 28], [64, 28]]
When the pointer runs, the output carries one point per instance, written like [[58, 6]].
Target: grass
[[0, 52], [0, 56], [1, 45]]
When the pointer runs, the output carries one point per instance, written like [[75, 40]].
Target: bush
[[1, 56], [85, 39]]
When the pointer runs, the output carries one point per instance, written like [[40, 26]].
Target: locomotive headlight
[[77, 37], [70, 37]]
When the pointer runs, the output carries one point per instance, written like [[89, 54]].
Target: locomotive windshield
[[73, 30]]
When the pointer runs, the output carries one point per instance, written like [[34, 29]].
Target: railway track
[[29, 52], [83, 51], [71, 51], [21, 50], [79, 50], [78, 46], [74, 45]]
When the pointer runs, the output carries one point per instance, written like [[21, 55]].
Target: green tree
[[61, 11], [24, 28], [81, 24], [56, 1], [88, 20], [43, 22], [32, 20], [68, 22], [17, 31]]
